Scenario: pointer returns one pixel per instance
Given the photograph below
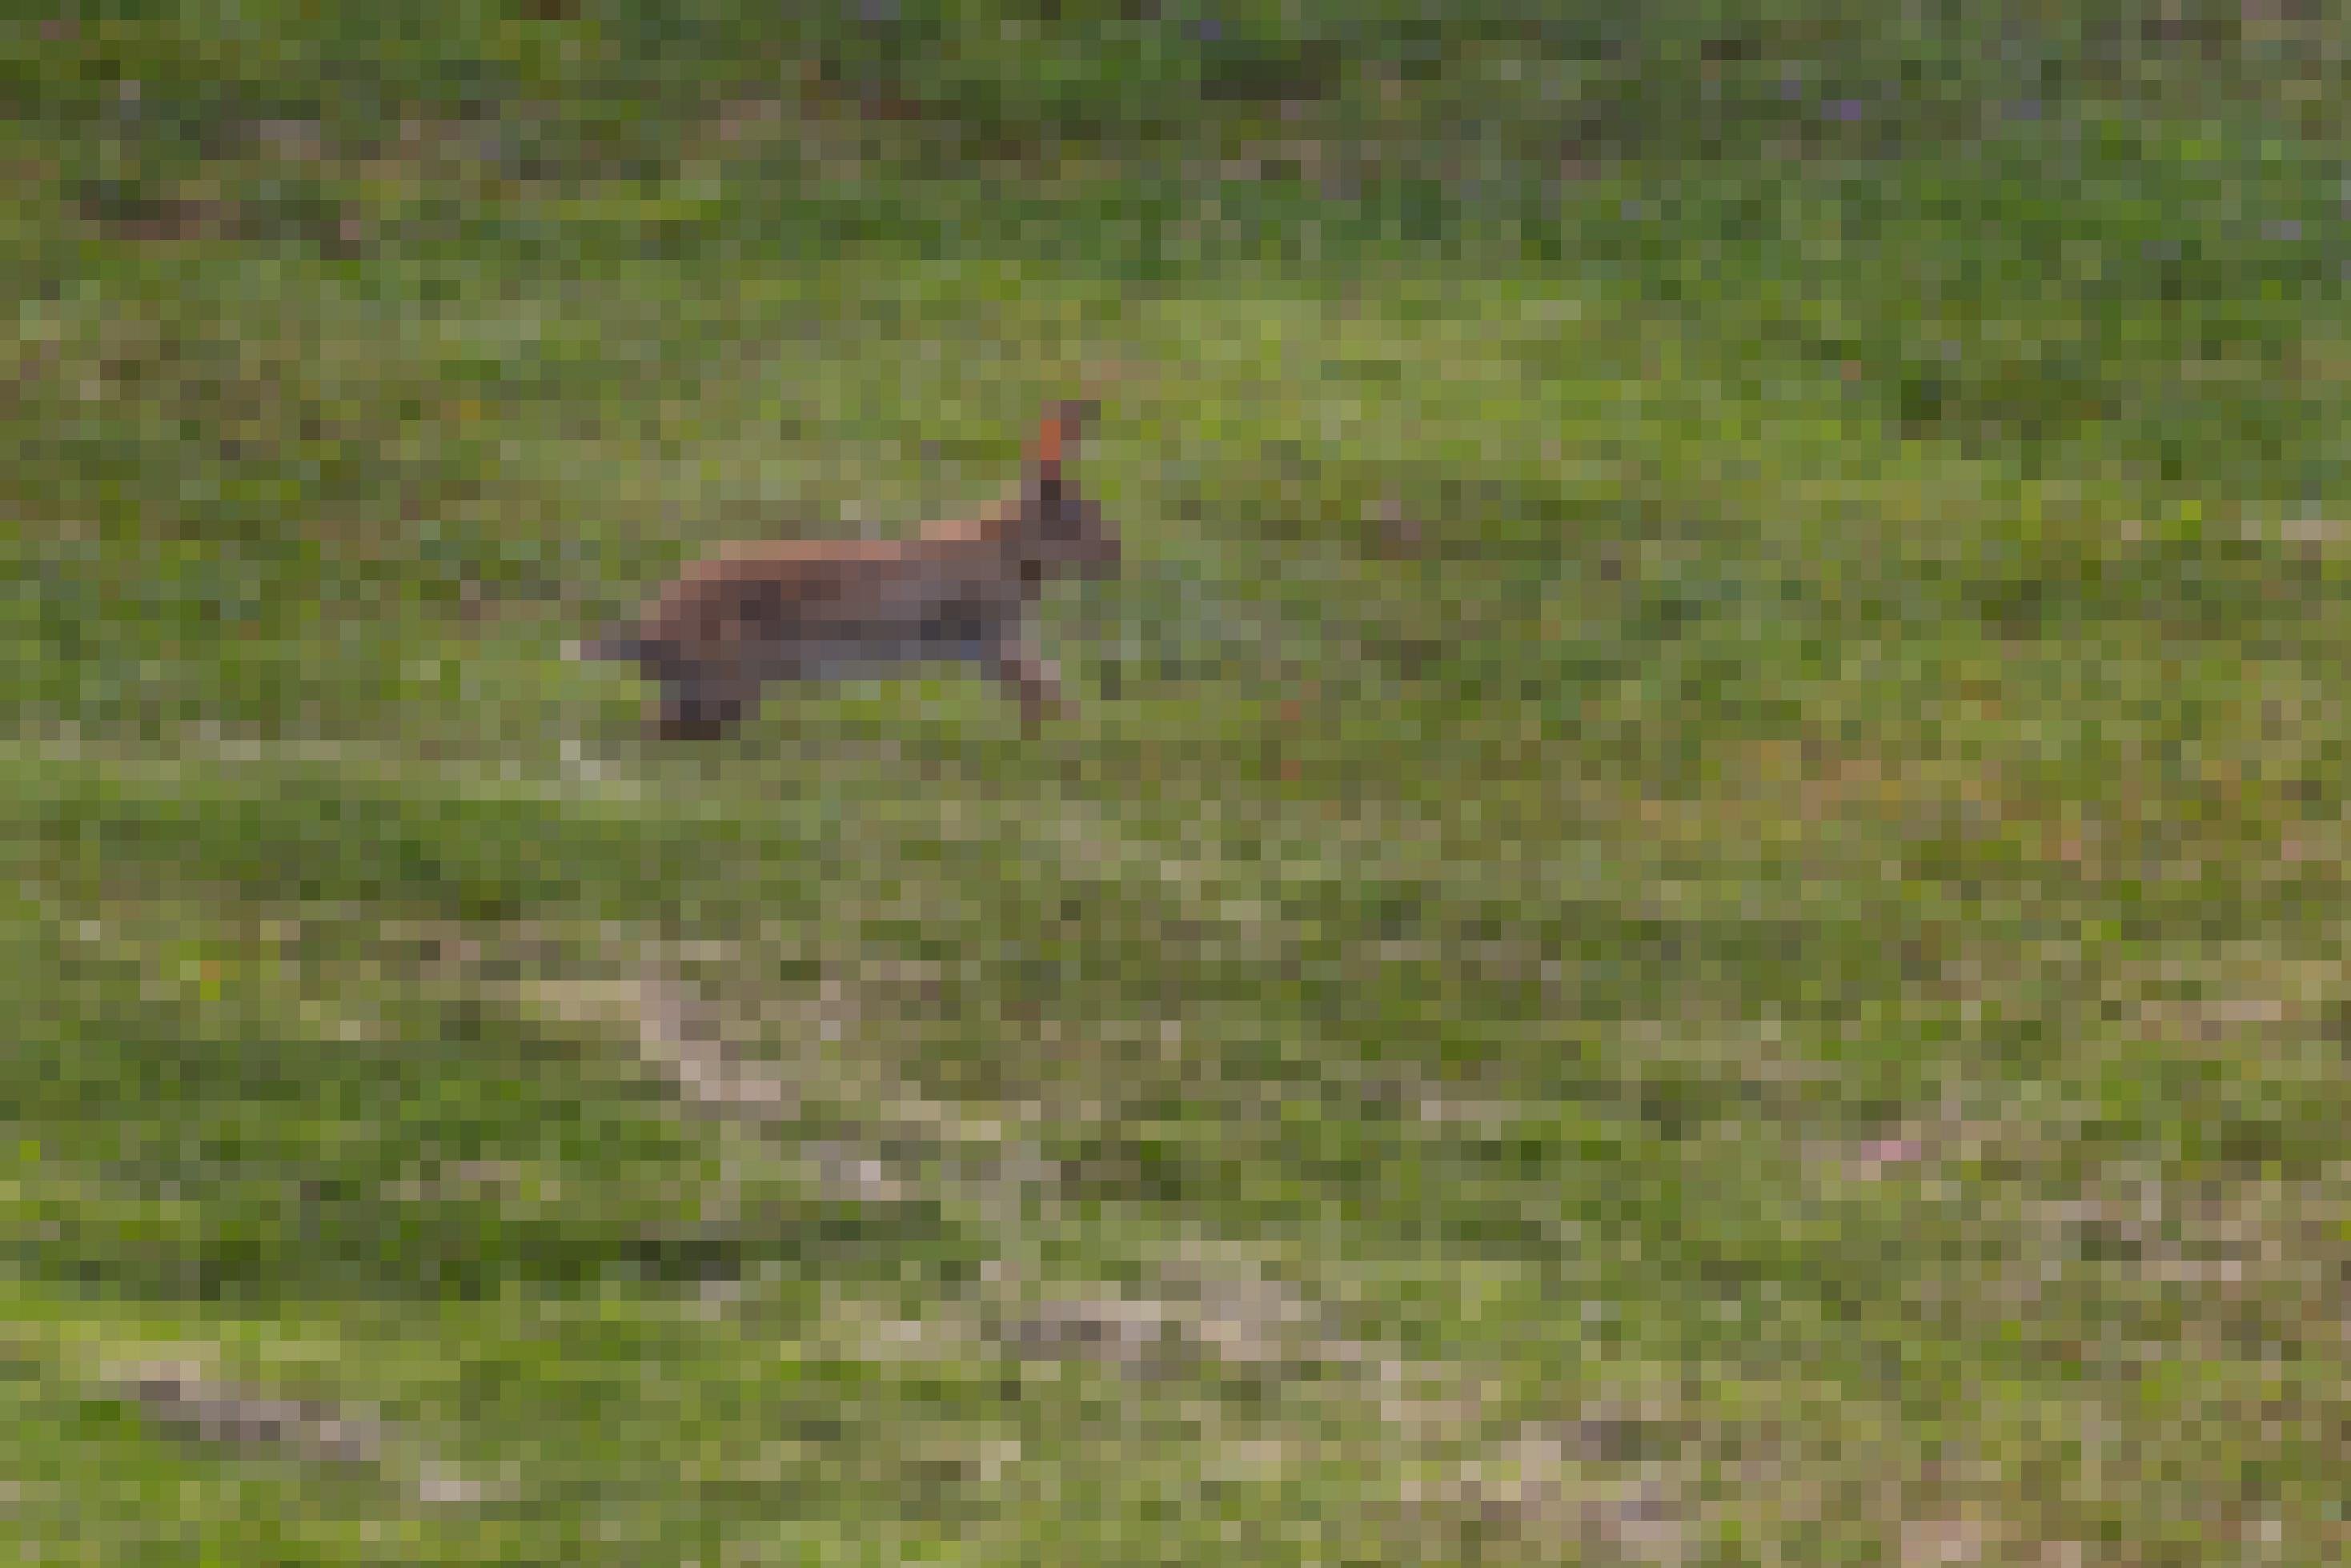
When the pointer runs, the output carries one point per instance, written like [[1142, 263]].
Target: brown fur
[[811, 609]]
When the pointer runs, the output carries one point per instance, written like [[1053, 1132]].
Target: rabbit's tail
[[619, 647]]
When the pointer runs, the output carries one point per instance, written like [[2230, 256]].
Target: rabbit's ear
[[1045, 452], [1064, 422]]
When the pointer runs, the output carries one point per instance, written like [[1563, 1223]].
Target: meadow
[[1693, 913]]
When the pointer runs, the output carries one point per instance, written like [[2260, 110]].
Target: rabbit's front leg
[[1032, 679]]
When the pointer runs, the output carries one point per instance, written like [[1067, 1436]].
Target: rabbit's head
[[1061, 530]]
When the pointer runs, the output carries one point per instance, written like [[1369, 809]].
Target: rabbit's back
[[795, 611]]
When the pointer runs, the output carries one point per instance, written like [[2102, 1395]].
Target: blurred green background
[[1694, 915]]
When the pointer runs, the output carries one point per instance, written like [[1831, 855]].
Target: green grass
[[1693, 913]]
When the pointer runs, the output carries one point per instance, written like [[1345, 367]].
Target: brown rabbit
[[817, 608]]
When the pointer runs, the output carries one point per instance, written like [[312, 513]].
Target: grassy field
[[1695, 914]]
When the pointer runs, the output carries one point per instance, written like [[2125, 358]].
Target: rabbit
[[747, 614]]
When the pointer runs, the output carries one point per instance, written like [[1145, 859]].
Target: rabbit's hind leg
[[694, 710]]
